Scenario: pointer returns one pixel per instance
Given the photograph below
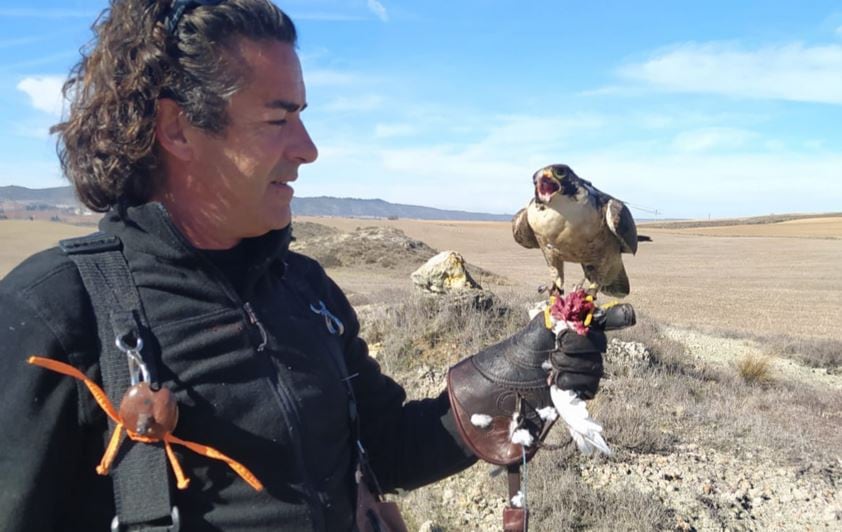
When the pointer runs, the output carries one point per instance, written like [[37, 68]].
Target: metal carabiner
[[138, 372], [334, 325]]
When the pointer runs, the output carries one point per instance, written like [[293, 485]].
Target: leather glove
[[577, 363], [505, 388]]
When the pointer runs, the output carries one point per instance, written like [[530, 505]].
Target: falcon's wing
[[620, 221], [522, 231]]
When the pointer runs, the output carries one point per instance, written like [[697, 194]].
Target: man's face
[[242, 176]]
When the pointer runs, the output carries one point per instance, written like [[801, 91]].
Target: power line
[[656, 212]]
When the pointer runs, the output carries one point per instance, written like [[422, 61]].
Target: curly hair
[[107, 144]]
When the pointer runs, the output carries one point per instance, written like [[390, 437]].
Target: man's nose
[[304, 149]]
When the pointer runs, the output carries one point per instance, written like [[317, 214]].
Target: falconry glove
[[501, 396]]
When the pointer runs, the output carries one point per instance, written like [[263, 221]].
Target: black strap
[[139, 473]]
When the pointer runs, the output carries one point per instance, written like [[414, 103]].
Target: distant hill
[[49, 196], [727, 222], [318, 206], [377, 208]]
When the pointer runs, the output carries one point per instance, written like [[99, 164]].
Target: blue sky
[[717, 108]]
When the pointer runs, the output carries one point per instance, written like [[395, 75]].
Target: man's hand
[[577, 363]]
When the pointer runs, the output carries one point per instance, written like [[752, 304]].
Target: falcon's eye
[[560, 172]]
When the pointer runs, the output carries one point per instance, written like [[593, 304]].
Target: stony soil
[[744, 487]]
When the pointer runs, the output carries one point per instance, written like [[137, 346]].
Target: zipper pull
[[254, 321], [334, 325]]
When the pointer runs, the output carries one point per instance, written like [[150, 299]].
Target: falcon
[[570, 220]]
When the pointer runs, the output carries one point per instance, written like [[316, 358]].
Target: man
[[186, 129]]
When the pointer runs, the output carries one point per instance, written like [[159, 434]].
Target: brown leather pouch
[[374, 515]]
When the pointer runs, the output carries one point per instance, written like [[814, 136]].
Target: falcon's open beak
[[546, 185]]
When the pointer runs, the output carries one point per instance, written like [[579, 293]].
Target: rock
[[428, 526], [623, 353], [444, 273]]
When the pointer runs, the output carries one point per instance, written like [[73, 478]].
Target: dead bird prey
[[573, 221]]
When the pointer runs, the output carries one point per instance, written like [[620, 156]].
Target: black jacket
[[281, 411]]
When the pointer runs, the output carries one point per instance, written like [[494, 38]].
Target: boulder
[[443, 274]]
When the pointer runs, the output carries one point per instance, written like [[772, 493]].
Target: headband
[[178, 8]]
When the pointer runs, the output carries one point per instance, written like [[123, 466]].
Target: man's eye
[[277, 122]]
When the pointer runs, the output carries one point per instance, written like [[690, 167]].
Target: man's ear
[[170, 130]]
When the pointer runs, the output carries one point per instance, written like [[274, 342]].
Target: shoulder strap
[[140, 477]]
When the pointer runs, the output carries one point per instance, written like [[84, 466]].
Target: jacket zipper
[[256, 322], [287, 405], [290, 413]]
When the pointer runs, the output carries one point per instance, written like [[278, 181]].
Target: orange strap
[[116, 438]]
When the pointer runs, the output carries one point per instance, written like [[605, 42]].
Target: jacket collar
[[148, 228]]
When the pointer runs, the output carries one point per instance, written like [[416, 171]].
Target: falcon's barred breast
[[570, 220]]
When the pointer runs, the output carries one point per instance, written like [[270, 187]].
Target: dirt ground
[[767, 279], [21, 238], [782, 279]]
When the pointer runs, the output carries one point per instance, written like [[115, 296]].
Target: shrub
[[754, 369]]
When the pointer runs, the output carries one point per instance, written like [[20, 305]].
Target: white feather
[[548, 413], [523, 437], [537, 308], [584, 430], [481, 421]]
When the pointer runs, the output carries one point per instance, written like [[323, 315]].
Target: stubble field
[[783, 278]]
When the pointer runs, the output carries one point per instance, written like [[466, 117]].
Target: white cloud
[[393, 130], [711, 138], [684, 185], [490, 174], [364, 103], [695, 184], [329, 78], [33, 130], [44, 92], [377, 8], [788, 72], [686, 178]]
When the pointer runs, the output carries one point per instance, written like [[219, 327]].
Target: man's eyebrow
[[286, 105]]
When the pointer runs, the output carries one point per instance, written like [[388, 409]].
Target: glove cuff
[[484, 414], [489, 388]]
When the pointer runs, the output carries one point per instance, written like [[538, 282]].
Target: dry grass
[[645, 409], [808, 350], [561, 501], [433, 330], [813, 352], [755, 369]]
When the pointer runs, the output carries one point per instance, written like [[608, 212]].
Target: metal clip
[[334, 325], [138, 372]]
